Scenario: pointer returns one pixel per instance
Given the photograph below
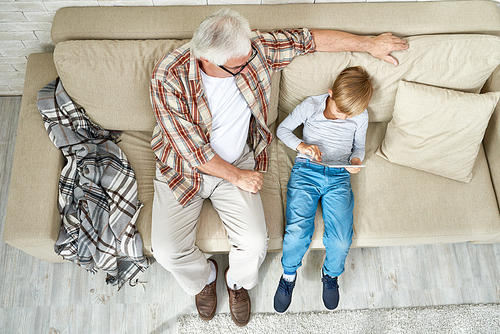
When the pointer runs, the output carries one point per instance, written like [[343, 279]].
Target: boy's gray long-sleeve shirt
[[339, 140]]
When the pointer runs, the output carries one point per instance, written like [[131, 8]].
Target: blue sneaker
[[283, 295], [330, 292]]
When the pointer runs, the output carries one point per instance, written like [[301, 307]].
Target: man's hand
[[249, 180], [354, 170], [311, 150], [382, 45]]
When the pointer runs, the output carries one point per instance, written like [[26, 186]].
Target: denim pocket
[[298, 166]]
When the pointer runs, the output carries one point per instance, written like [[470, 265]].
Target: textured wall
[[25, 28]]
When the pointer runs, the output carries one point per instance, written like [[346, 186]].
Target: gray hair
[[222, 36]]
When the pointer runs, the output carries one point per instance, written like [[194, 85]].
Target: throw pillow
[[437, 130]]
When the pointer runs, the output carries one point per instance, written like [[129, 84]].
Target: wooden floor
[[38, 297]]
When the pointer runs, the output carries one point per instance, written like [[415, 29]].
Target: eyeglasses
[[240, 68]]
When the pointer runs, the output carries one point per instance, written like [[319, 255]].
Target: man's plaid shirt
[[181, 137]]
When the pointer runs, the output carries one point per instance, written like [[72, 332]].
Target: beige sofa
[[104, 56]]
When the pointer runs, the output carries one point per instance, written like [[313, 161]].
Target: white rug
[[439, 319]]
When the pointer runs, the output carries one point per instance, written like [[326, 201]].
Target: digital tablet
[[337, 166]]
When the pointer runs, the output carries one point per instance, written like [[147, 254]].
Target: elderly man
[[211, 99]]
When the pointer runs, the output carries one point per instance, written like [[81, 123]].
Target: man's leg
[[173, 236], [242, 214]]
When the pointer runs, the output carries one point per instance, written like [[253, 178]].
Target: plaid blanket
[[97, 192]]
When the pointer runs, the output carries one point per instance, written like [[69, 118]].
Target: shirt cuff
[[200, 156], [309, 37], [358, 155]]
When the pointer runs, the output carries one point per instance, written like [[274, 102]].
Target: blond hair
[[352, 91]]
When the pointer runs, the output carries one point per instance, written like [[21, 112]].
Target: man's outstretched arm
[[379, 46]]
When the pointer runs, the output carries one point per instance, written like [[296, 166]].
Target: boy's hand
[[311, 150], [353, 170]]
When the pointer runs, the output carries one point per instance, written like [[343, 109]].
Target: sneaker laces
[[286, 287], [330, 282]]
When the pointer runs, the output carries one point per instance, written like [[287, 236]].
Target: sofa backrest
[[105, 56], [179, 22]]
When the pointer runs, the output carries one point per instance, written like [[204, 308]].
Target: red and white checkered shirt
[[181, 137]]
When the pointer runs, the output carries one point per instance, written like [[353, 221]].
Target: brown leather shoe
[[206, 300], [239, 304]]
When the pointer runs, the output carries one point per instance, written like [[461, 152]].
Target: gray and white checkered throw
[[97, 192]]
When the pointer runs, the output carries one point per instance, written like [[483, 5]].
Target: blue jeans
[[308, 184]]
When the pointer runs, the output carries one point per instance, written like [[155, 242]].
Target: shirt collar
[[194, 68]]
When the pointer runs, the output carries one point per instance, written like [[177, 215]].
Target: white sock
[[213, 273], [231, 283], [289, 278]]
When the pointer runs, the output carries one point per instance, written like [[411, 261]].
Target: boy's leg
[[302, 201], [303, 195], [338, 205]]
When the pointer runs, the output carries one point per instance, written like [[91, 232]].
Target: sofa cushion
[[437, 130], [110, 79], [397, 205], [460, 62]]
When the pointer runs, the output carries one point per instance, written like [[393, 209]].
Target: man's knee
[[169, 253], [254, 243]]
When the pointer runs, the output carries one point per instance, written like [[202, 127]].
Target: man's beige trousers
[[173, 232]]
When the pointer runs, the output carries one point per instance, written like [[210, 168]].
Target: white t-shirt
[[230, 116]]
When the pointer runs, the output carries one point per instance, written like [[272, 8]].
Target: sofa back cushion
[[110, 79], [459, 62]]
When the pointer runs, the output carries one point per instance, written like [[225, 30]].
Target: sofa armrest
[[491, 140], [32, 220]]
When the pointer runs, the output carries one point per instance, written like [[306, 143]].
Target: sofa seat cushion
[[397, 205], [459, 62], [211, 234]]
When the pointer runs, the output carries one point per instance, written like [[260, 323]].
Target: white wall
[[25, 28]]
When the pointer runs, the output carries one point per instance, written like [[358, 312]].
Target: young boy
[[334, 134]]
